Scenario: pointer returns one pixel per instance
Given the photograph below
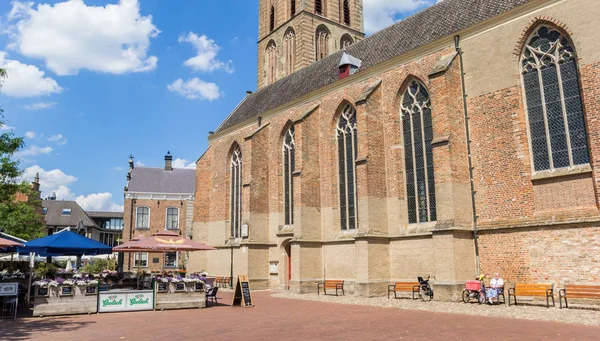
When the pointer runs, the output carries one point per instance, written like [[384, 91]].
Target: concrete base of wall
[[370, 289], [258, 284], [449, 292]]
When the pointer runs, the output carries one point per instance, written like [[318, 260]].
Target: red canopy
[[164, 241], [6, 242]]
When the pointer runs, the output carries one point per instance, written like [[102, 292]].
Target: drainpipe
[[469, 158]]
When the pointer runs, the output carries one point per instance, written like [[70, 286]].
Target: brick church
[[464, 139]]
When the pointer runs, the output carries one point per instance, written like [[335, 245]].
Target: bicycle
[[425, 290], [474, 289]]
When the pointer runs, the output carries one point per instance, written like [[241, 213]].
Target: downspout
[[130, 231], [469, 158]]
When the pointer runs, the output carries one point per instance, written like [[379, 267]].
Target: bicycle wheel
[[481, 297], [425, 294], [466, 296]]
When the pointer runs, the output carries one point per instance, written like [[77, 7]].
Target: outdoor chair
[[212, 295]]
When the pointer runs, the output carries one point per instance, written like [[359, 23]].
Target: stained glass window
[[289, 159], [347, 146], [553, 101], [236, 191], [418, 154]]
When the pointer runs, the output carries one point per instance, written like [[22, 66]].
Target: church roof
[[440, 20]]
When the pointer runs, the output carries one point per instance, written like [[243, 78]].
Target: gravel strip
[[540, 313]]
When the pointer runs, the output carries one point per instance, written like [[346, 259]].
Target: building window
[[346, 13], [271, 62], [319, 7], [140, 259], [236, 192], [172, 218], [322, 42], [113, 224], [418, 154], [292, 8], [346, 41], [289, 160], [171, 259], [272, 19], [347, 146], [553, 100], [290, 50], [66, 211], [143, 218]]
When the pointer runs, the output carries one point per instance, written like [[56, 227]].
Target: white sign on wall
[[274, 267], [9, 289], [129, 301]]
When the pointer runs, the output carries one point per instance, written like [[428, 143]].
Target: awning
[[65, 243]]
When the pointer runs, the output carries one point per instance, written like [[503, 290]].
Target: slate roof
[[101, 214], [157, 180], [440, 20], [54, 216]]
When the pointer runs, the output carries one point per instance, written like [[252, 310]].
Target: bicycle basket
[[473, 285]]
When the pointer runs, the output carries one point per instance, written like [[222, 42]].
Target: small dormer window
[[44, 210], [66, 211]]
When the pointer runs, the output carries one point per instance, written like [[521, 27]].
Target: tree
[[20, 218]]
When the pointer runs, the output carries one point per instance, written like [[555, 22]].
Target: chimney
[[348, 65], [168, 162]]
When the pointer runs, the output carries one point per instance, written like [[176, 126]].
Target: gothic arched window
[[418, 155], [346, 41], [347, 146], [318, 6], [346, 12], [289, 160], [553, 100], [322, 42], [272, 19], [271, 61], [236, 191], [290, 50]]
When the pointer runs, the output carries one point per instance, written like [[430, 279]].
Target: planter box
[[56, 304], [180, 299]]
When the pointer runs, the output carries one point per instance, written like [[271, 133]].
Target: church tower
[[294, 33]]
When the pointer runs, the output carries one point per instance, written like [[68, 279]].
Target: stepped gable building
[[157, 199], [456, 141]]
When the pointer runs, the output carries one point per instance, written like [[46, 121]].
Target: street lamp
[[231, 240]]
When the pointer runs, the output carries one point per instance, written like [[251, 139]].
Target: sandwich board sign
[[242, 294]]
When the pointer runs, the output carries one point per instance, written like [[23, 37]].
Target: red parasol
[[164, 241], [8, 243]]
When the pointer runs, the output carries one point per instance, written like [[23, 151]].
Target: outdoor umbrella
[[164, 241], [8, 243], [65, 243]]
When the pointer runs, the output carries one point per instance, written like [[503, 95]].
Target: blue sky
[[91, 82]]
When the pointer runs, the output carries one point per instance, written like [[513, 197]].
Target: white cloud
[[70, 36], [183, 163], [118, 168], [7, 127], [58, 139], [98, 202], [40, 105], [52, 181], [33, 151], [379, 14], [206, 54], [25, 80], [30, 134], [195, 89], [140, 164]]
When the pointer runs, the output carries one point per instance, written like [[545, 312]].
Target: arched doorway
[[286, 261]]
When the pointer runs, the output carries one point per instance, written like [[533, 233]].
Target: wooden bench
[[330, 284], [406, 287], [578, 291], [534, 290]]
